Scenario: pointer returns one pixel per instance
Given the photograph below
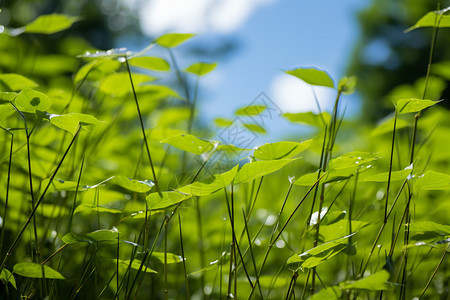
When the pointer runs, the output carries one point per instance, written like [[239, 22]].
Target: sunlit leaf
[[339, 228], [347, 84], [432, 180], [15, 82], [374, 282], [88, 208], [150, 63], [71, 122], [29, 100], [33, 270], [155, 201], [92, 237], [430, 20], [412, 105], [172, 40], [48, 24], [95, 69], [156, 92], [329, 293], [138, 186], [257, 169], [429, 226], [118, 84], [312, 76], [210, 185], [254, 127], [383, 177], [309, 118], [223, 122], [280, 150], [252, 110], [189, 143], [7, 96], [171, 258], [7, 277], [201, 68], [319, 254], [352, 159], [387, 126], [135, 265]]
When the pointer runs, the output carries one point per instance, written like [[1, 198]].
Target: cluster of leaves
[[107, 190]]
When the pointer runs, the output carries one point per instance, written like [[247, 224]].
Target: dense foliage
[[109, 192]]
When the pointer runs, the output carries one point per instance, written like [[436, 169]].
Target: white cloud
[[197, 16], [293, 95]]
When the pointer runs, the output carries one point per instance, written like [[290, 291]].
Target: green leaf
[[257, 169], [71, 122], [156, 92], [252, 110], [429, 226], [48, 24], [118, 84], [15, 82], [154, 200], [254, 127], [32, 270], [171, 258], [189, 143], [387, 126], [96, 69], [313, 76], [411, 105], [201, 68], [92, 237], [429, 20], [315, 256], [135, 265], [433, 181], [172, 40], [280, 150], [210, 185], [89, 208], [383, 177], [150, 63], [29, 100], [309, 118], [7, 277], [7, 96], [223, 122], [347, 85], [339, 228], [310, 179], [329, 293], [138, 186], [374, 282], [352, 160]]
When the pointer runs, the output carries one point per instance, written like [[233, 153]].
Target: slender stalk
[[434, 272], [183, 257], [8, 180], [143, 129]]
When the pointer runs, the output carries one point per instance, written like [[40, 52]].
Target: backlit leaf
[[411, 105], [429, 20], [374, 282], [254, 127], [201, 68], [383, 177], [387, 126], [92, 237], [48, 24], [15, 82], [309, 118], [223, 122], [312, 76], [352, 159], [172, 40], [432, 180], [118, 84], [257, 169], [347, 85], [280, 150], [88, 208], [154, 200], [252, 110], [429, 226], [189, 143], [150, 63], [33, 270], [7, 277], [210, 185], [135, 265], [7, 96], [171, 258], [138, 186], [29, 100]]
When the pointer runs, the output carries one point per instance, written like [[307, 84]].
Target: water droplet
[[207, 290], [258, 242], [315, 216], [270, 220], [54, 234], [121, 59], [357, 162], [410, 167], [2, 28], [420, 243], [380, 195]]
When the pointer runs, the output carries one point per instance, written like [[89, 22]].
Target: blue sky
[[274, 35]]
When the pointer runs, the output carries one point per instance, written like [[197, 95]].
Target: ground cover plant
[[110, 189]]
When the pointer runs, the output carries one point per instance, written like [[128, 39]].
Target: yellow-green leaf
[[280, 150], [15, 82], [411, 105], [48, 24], [155, 201], [312, 76], [374, 282], [172, 40], [189, 143], [201, 68], [430, 20], [33, 270], [257, 169], [150, 63], [29, 100]]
